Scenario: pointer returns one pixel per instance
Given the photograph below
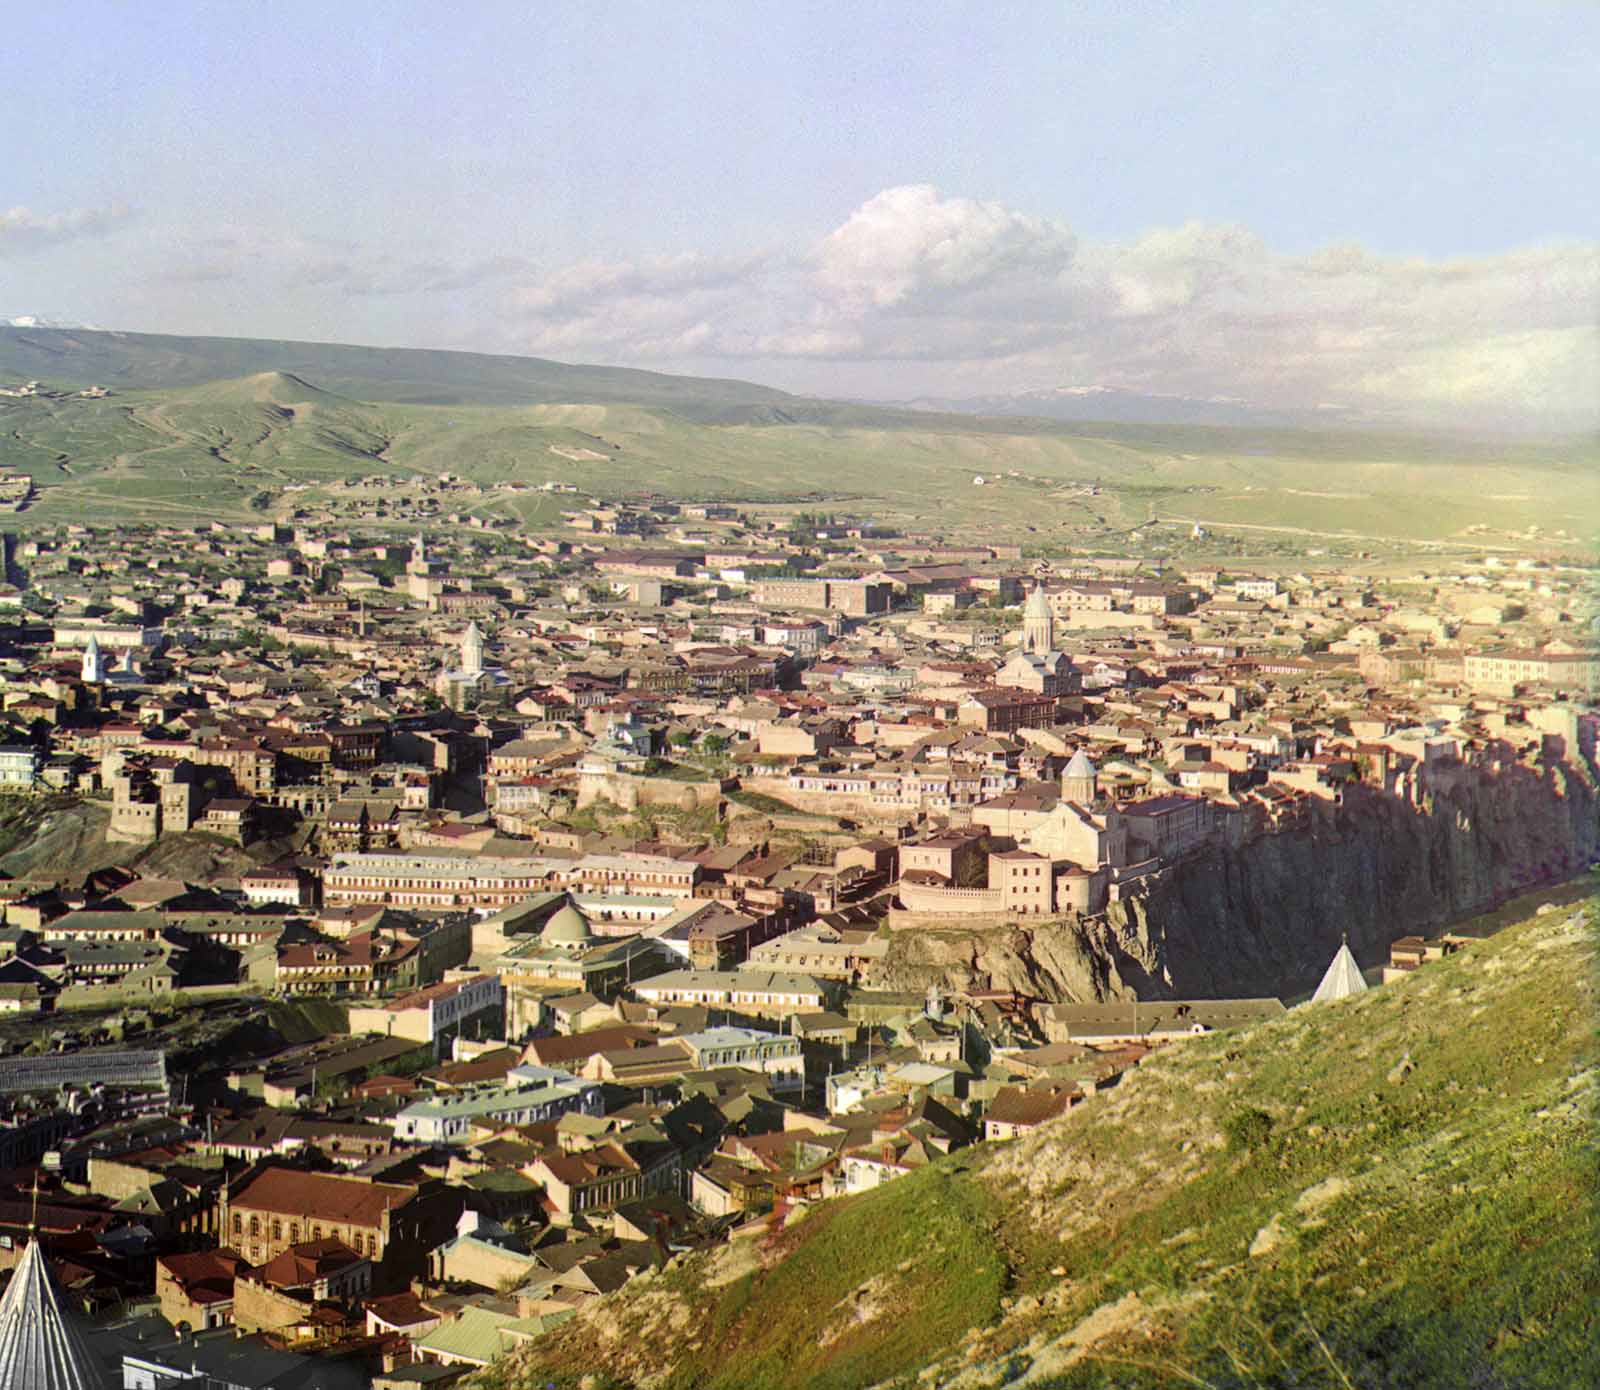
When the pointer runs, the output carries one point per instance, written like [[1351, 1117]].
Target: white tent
[[1341, 979]]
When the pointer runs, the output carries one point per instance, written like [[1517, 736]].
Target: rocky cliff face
[[1265, 918]]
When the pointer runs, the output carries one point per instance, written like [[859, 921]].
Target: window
[[277, 1230]]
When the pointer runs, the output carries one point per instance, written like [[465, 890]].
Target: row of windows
[[347, 881], [363, 1243]]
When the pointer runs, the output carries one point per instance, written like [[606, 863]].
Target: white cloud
[[918, 293], [22, 230], [910, 243], [987, 298]]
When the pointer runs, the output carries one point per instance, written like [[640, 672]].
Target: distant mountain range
[[1114, 404], [34, 347]]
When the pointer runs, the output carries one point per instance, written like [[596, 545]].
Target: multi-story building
[[597, 1179], [533, 1096], [1501, 672], [856, 598], [19, 767], [1007, 710], [436, 1013], [365, 964], [776, 1055], [747, 991], [429, 881], [392, 1224]]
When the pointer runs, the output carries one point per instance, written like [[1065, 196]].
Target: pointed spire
[[94, 662], [472, 650], [1342, 978], [40, 1347], [1038, 622]]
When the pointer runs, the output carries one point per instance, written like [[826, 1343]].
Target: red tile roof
[[321, 1197]]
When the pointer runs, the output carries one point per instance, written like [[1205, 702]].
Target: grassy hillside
[[1397, 1189], [220, 427], [156, 361], [231, 448]]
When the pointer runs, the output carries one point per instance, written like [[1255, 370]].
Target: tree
[[974, 872]]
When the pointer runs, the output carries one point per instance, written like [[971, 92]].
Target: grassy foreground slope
[[1394, 1190]]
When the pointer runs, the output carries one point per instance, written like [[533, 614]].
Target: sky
[[1375, 209]]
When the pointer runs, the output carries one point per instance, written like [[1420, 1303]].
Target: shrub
[[1247, 1129]]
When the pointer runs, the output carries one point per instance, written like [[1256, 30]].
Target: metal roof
[[40, 1347]]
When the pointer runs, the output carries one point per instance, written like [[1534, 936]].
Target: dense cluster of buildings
[[515, 911]]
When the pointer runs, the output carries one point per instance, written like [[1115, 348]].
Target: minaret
[[472, 651], [1038, 623], [94, 664], [419, 551]]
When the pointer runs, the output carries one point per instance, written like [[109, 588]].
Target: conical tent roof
[[1079, 765], [1038, 606], [40, 1348], [1341, 979]]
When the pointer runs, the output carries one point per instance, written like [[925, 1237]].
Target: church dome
[[568, 927]]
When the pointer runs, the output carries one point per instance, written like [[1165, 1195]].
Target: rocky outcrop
[[1265, 918]]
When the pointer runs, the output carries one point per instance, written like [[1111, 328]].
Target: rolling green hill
[[221, 427], [1392, 1190], [157, 361]]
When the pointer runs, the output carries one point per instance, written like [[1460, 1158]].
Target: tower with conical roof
[[1080, 782], [94, 662], [1038, 623], [40, 1347], [472, 651]]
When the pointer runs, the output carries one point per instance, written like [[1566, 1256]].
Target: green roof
[[476, 1335]]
